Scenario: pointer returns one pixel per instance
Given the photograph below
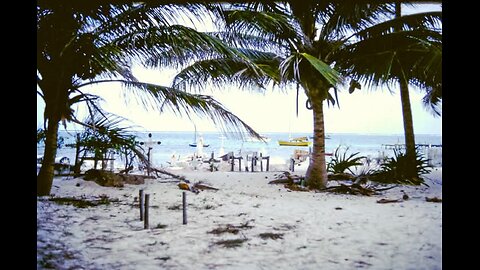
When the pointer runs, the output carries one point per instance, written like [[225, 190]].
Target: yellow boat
[[300, 141]]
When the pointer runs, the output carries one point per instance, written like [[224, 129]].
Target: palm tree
[[302, 43], [85, 44], [406, 50]]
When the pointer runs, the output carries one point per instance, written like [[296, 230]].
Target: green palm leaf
[[267, 25], [183, 103], [427, 20], [261, 69], [375, 60], [330, 75]]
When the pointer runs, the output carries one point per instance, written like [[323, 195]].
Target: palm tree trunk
[[407, 115], [45, 175], [408, 129], [316, 175]]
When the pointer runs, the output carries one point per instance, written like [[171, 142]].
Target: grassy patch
[[231, 243], [82, 202], [160, 226], [209, 207], [231, 228], [166, 258], [227, 229], [273, 236], [175, 207]]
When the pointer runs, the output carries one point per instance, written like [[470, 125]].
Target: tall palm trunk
[[410, 153], [45, 175], [408, 128], [316, 175]]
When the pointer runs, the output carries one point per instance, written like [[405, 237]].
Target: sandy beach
[[246, 224]]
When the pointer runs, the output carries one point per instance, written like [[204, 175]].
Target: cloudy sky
[[376, 111]]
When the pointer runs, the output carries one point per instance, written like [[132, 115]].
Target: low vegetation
[[273, 236], [82, 202], [396, 170], [231, 243], [341, 163]]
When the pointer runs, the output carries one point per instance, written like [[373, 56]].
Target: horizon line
[[296, 132]]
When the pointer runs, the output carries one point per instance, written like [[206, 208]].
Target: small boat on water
[[299, 141], [194, 143]]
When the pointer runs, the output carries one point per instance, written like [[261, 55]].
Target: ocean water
[[177, 143]]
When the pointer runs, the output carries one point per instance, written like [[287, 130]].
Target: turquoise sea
[[177, 143]]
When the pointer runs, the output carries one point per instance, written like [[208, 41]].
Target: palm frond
[[374, 60], [270, 26], [341, 19], [261, 69], [174, 45], [428, 20], [331, 75], [248, 41], [183, 103], [294, 68]]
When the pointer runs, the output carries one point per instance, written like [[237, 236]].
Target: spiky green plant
[[340, 163], [397, 170]]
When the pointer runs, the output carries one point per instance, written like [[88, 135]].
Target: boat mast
[[195, 134]]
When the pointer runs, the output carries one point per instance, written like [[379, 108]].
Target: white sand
[[319, 230]]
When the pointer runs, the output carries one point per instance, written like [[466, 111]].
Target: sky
[[366, 111]]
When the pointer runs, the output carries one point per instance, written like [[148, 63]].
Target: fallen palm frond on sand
[[294, 183]]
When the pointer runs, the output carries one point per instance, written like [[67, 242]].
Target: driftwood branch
[[287, 178], [355, 189], [389, 200], [156, 170]]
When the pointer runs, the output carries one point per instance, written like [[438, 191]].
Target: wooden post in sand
[[261, 162], [239, 163], [292, 164], [148, 162], [140, 200], [268, 162], [253, 161], [147, 197], [184, 202], [212, 160]]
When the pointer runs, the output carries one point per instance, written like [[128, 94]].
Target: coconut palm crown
[[320, 46]]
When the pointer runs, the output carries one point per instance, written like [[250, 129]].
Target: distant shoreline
[[270, 132]]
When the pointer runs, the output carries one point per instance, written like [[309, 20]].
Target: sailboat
[[194, 143], [299, 141]]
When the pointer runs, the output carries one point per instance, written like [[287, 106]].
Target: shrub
[[341, 163], [398, 170]]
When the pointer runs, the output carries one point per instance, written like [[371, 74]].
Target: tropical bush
[[103, 137], [397, 170], [340, 163]]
